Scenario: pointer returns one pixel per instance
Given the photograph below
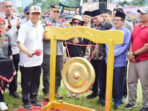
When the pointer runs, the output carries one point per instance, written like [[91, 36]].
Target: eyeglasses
[[27, 13], [117, 20], [76, 23], [56, 11], [8, 6]]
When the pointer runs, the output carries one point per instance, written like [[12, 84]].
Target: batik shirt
[[100, 53]]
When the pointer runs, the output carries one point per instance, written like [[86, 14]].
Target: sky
[[18, 2]]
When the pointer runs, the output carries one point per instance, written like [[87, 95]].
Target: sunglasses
[[27, 13], [117, 20], [76, 23], [56, 11]]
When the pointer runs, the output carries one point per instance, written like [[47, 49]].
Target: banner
[[95, 5], [69, 10], [131, 9]]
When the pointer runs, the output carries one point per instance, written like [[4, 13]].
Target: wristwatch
[[134, 54], [9, 27]]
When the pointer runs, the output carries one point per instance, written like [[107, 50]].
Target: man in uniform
[[52, 20]]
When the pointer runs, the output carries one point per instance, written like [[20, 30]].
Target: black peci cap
[[95, 13], [106, 11], [87, 13], [120, 14]]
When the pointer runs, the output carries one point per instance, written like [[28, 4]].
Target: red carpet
[[34, 108]]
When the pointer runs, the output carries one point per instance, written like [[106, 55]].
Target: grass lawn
[[13, 104]]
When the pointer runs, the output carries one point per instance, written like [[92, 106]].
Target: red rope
[[81, 45], [1, 90], [93, 53], [8, 81], [67, 50]]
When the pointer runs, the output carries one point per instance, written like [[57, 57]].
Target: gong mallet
[[37, 52]]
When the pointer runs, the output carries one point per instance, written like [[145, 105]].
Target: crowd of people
[[19, 40]]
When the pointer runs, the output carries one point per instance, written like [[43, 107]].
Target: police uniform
[[46, 58]]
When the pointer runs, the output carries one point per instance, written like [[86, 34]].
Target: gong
[[78, 75]]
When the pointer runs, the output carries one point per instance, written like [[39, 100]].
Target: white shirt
[[32, 38], [13, 33]]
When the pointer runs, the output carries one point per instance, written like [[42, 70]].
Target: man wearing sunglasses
[[26, 14], [74, 50], [52, 20]]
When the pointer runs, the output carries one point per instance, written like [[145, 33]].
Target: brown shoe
[[58, 96]]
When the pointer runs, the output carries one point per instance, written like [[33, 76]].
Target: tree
[[138, 2], [45, 4], [124, 3], [72, 2], [20, 9]]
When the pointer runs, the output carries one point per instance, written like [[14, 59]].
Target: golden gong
[[78, 75]]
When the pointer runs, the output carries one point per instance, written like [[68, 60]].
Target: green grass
[[13, 104]]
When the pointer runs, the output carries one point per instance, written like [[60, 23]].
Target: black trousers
[[1, 97], [125, 84], [100, 80], [118, 84], [30, 81], [45, 65], [13, 84], [3, 88]]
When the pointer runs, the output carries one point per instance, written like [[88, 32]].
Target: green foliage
[[72, 2], [84, 1], [138, 2], [126, 2], [45, 4], [14, 104], [20, 9]]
